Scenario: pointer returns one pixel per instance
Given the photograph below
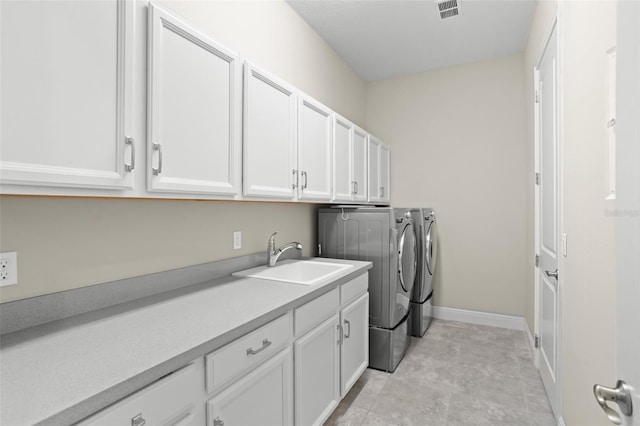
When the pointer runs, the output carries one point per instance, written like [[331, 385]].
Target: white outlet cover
[[237, 240], [10, 271]]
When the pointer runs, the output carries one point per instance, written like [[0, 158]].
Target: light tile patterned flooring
[[458, 374]]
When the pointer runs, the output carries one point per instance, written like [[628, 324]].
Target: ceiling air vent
[[448, 8]]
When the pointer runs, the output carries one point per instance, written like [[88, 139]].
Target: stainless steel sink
[[305, 272]]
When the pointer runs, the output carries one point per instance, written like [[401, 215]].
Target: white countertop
[[63, 371]]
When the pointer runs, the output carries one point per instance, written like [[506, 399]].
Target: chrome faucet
[[273, 253]]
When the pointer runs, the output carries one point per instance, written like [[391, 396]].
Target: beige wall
[[458, 145], [67, 243], [588, 283]]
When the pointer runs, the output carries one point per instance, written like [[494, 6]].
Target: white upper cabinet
[[385, 153], [350, 161], [66, 94], [360, 146], [343, 183], [314, 150], [269, 141], [194, 110], [379, 156]]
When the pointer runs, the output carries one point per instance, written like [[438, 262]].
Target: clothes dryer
[[422, 296], [387, 238]]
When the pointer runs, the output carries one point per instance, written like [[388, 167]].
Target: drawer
[[354, 288], [313, 313], [247, 352], [168, 401]]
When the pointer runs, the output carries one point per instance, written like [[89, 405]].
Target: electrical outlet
[[8, 268], [237, 240]]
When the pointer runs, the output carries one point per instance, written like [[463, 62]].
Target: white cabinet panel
[[360, 146], [269, 141], [374, 169], [314, 150], [264, 397], [355, 343], [343, 182], [384, 173], [173, 400], [194, 110], [317, 373], [66, 94]]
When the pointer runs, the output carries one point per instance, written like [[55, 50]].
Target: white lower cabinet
[[262, 398], [354, 351], [174, 400]]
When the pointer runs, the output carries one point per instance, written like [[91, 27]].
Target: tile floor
[[458, 374]]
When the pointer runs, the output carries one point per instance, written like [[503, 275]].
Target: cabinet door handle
[[294, 185], [218, 422], [265, 344], [304, 185], [138, 420], [157, 147], [356, 185], [130, 141], [339, 328], [347, 334]]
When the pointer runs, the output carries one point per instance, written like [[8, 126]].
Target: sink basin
[[306, 272]]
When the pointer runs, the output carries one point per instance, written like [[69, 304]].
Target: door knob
[[621, 395], [553, 274]]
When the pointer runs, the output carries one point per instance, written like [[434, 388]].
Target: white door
[[343, 181], [314, 150], [547, 223], [355, 343], [627, 215], [66, 93], [194, 110], [269, 137], [374, 169], [317, 373], [262, 398], [360, 145]]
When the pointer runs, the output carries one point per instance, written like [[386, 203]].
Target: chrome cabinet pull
[[553, 274], [265, 344], [130, 141], [304, 185], [339, 328], [621, 395], [347, 334], [356, 184], [138, 420], [218, 422], [294, 185], [158, 147]]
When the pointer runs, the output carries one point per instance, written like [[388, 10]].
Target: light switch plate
[[8, 268], [237, 240], [564, 245]]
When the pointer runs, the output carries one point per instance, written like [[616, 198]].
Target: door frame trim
[[556, 25]]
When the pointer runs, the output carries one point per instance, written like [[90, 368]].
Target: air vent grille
[[448, 8]]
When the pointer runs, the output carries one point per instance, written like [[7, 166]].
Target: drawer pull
[[265, 344], [347, 334], [138, 420]]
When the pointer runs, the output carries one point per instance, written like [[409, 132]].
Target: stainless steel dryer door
[[407, 257], [431, 245]]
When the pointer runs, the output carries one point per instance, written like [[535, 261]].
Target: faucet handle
[[272, 241]]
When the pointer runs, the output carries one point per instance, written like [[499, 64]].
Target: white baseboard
[[481, 318]]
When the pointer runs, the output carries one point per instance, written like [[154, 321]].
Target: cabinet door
[[374, 169], [194, 110], [343, 182], [262, 398], [355, 343], [317, 373], [66, 94], [384, 173], [360, 144], [314, 150], [269, 140]]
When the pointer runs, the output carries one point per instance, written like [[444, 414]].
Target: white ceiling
[[389, 38]]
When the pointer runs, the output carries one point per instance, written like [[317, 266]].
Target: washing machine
[[386, 237], [422, 296]]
